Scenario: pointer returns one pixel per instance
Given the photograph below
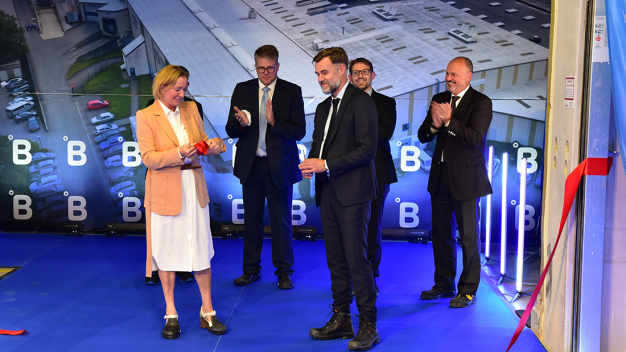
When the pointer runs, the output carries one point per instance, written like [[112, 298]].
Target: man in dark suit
[[342, 159], [361, 75], [267, 115], [460, 119]]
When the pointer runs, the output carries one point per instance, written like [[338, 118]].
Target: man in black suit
[[460, 119], [267, 115], [342, 159], [361, 75]]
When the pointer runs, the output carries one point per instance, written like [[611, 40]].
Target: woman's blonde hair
[[166, 78]]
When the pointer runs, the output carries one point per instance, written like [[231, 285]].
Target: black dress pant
[[444, 240], [374, 236], [256, 189], [345, 239]]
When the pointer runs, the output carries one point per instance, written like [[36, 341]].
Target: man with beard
[[361, 75], [342, 159], [460, 119]]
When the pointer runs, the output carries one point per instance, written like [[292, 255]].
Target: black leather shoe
[[154, 279], [171, 330], [436, 293], [246, 279], [185, 276], [462, 300], [366, 336], [339, 325], [285, 283]]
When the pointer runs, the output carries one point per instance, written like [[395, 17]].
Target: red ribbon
[[13, 332], [589, 167], [201, 147]]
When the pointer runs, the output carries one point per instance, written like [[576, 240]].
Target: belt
[[190, 166]]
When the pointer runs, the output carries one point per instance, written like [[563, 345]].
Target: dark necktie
[[453, 105], [330, 126]]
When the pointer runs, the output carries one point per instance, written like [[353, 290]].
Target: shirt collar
[[272, 85], [166, 110], [343, 90], [460, 95], [370, 91]]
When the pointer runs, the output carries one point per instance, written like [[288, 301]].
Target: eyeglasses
[[270, 69], [361, 72]]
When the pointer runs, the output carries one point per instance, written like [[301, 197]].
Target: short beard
[[332, 87], [365, 88]]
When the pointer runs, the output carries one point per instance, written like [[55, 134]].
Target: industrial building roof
[[215, 40], [114, 6]]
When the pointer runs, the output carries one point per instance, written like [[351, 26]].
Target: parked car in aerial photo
[[111, 142], [3, 84], [121, 187], [102, 118], [20, 98], [17, 90], [107, 134], [33, 124], [41, 173], [20, 106], [45, 181], [44, 3], [114, 161], [42, 165], [51, 201], [129, 192], [103, 128], [120, 176], [114, 150], [37, 157], [25, 116], [97, 104], [9, 87], [48, 190]]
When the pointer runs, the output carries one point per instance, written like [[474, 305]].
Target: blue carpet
[[88, 294]]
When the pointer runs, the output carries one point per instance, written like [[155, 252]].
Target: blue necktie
[[263, 120]]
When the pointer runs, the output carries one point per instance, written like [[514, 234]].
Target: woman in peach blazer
[[176, 198]]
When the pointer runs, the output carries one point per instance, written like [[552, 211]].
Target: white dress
[[182, 242]]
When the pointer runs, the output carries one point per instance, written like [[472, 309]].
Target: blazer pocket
[[471, 162], [158, 189]]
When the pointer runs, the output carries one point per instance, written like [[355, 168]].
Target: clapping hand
[[241, 117], [269, 112], [440, 113]]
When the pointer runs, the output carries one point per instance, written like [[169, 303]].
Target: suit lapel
[[343, 105], [162, 120], [254, 101], [278, 92]]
